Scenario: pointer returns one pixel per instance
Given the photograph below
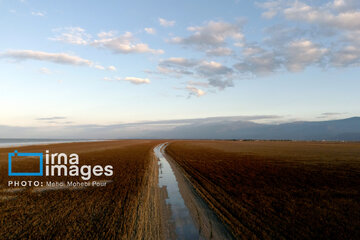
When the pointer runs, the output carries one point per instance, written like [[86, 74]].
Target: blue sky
[[69, 63]]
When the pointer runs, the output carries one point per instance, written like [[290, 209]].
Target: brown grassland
[[121, 210], [277, 190]]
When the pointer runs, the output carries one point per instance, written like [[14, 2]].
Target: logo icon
[[15, 153]]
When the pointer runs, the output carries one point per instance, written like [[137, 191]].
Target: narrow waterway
[[190, 217], [180, 215]]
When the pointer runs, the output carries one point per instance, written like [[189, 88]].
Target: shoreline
[[41, 143]]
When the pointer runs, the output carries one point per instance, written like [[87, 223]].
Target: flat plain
[[260, 189], [123, 209], [277, 189]]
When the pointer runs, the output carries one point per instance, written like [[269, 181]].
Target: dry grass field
[[118, 211], [277, 190]]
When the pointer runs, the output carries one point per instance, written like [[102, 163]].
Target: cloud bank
[[119, 44]]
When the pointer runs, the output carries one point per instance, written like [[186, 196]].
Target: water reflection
[[180, 214]]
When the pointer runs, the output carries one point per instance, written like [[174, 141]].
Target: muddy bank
[[148, 220], [203, 222]]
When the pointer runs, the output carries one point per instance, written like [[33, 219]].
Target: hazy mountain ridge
[[337, 130], [207, 128]]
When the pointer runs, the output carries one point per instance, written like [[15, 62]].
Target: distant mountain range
[[337, 130], [235, 127]]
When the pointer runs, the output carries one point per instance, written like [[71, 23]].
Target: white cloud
[[345, 5], [221, 83], [217, 75], [112, 68], [178, 61], [220, 51], [135, 80], [106, 34], [269, 14], [72, 35], [51, 118], [125, 44], [61, 58], [295, 56], [196, 83], [353, 37], [302, 53], [341, 14], [259, 63], [176, 70], [336, 24], [38, 13], [272, 8], [166, 23], [177, 66], [150, 30], [99, 67], [45, 70], [195, 91], [280, 34], [252, 50], [212, 34], [213, 68], [346, 56]]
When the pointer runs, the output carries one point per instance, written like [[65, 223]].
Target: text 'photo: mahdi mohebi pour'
[[185, 120]]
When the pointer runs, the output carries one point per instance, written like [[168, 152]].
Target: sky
[[79, 63]]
